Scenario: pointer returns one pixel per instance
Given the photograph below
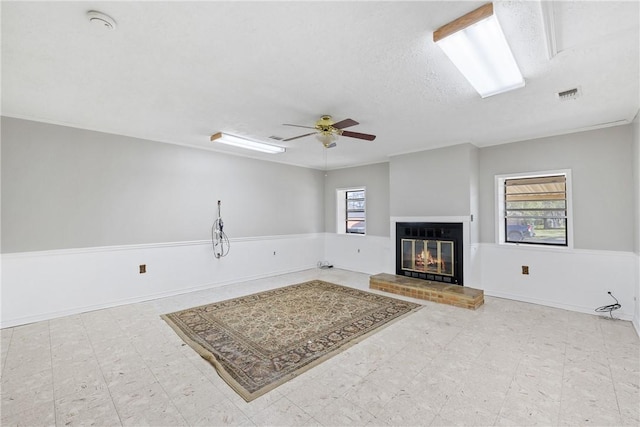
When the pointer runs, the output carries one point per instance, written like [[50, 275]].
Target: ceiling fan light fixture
[[477, 46], [249, 144], [328, 139]]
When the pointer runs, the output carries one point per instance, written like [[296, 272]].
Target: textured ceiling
[[178, 72]]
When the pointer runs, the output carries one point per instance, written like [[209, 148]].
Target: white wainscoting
[[48, 284], [576, 280], [43, 285], [636, 315], [365, 254]]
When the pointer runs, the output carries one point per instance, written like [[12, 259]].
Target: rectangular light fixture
[[238, 141], [477, 46]]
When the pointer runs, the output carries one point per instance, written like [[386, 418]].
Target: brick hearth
[[459, 296]]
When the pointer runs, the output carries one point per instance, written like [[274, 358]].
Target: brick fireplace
[[430, 261]]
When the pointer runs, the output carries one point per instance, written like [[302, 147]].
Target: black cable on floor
[[609, 308]]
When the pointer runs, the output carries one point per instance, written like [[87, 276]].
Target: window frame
[[500, 220], [342, 211], [347, 211]]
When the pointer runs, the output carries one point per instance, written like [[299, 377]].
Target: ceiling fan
[[327, 131]]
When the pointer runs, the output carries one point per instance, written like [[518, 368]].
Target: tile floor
[[507, 363]]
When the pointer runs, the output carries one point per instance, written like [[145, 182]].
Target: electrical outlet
[[143, 268], [525, 269]]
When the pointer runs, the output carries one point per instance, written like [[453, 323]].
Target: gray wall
[[636, 183], [376, 180], [601, 164], [70, 188], [434, 182], [636, 180]]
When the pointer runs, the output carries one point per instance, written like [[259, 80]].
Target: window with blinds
[[535, 210]]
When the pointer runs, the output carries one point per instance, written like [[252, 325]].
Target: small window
[[535, 210], [354, 212], [351, 211]]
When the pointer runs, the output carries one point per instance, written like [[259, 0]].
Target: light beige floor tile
[[41, 414], [316, 393], [72, 351], [526, 405], [372, 394], [128, 377], [406, 410], [5, 341], [86, 407], [147, 406], [283, 412], [364, 359], [24, 359], [508, 363], [78, 377], [585, 413], [465, 413], [628, 402], [25, 392], [526, 414], [203, 404], [342, 412], [32, 333], [112, 351]]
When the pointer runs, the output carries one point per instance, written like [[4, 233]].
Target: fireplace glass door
[[428, 256]]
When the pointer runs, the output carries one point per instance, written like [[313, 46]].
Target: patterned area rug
[[260, 341]]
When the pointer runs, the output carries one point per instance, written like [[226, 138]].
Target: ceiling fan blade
[[345, 123], [300, 136], [298, 126], [358, 135]]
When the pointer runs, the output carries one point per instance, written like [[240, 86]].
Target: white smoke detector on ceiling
[[102, 20]]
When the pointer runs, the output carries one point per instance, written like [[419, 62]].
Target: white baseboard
[[564, 306]]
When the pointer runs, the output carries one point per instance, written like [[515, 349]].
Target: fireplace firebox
[[430, 251]]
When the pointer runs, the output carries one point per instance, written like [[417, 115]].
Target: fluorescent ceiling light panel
[[249, 144], [477, 46]]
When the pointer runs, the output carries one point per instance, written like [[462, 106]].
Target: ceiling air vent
[[567, 95]]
